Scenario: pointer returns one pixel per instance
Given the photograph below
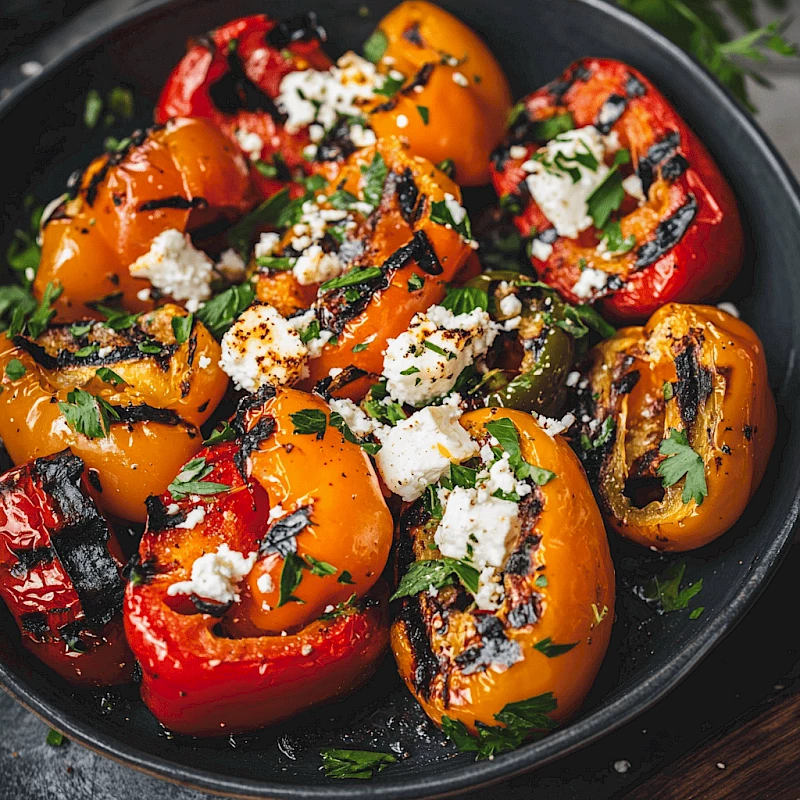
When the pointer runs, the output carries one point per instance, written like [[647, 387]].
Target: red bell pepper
[[681, 243], [60, 571], [232, 77], [212, 666]]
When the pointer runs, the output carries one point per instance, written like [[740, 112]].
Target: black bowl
[[649, 654]]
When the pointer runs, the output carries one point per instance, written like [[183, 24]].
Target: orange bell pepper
[[60, 571], [157, 401], [182, 175], [306, 626], [467, 665], [690, 389]]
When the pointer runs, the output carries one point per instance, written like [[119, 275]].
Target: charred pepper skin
[[181, 175], [232, 77], [439, 647], [688, 233], [161, 402], [60, 572], [211, 669], [711, 367]]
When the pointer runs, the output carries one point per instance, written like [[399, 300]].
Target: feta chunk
[[261, 347], [266, 244], [729, 308], [457, 211], [552, 427], [316, 266], [231, 266], [634, 187], [590, 282], [193, 518], [251, 143], [561, 200], [510, 306], [419, 450], [416, 370], [176, 268], [216, 576], [360, 423], [541, 250]]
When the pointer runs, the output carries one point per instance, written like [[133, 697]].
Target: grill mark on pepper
[[634, 87], [559, 87], [337, 144], [495, 647], [143, 412], [158, 520], [610, 112], [625, 384], [694, 384], [420, 79], [526, 613], [328, 385], [407, 196], [249, 403], [28, 558], [656, 154], [412, 34], [80, 541], [672, 169], [251, 441], [426, 665], [281, 537], [209, 607], [175, 201], [668, 233], [139, 572]]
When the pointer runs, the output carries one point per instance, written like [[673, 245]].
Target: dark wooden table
[[731, 730]]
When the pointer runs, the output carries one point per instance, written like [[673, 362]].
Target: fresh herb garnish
[[448, 166], [682, 461], [116, 318], [337, 421], [358, 764], [541, 476], [506, 433], [543, 130], [321, 569], [541, 581], [668, 390], [92, 109], [696, 612], [182, 327], [666, 591], [190, 480], [551, 650], [16, 304], [291, 575], [241, 235], [310, 332], [375, 46], [463, 299], [150, 348], [374, 178], [380, 406], [521, 720], [276, 263], [441, 214], [606, 431], [87, 414], [606, 198], [109, 376], [436, 572], [87, 350], [345, 578], [579, 320], [358, 348], [15, 369], [37, 322], [341, 608], [424, 112], [219, 313], [342, 200], [81, 329], [615, 242], [434, 348], [352, 278], [223, 433], [55, 738], [415, 282], [309, 421], [391, 86]]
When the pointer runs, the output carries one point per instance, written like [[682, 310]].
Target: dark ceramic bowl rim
[[561, 743]]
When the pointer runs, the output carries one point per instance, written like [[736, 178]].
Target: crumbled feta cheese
[[361, 136], [729, 308], [552, 427], [265, 584], [193, 518], [216, 576], [360, 424], [316, 266], [573, 378], [276, 512], [261, 347], [457, 211], [103, 352], [419, 450], [203, 362], [251, 143], [300, 323], [460, 78], [143, 295], [176, 268], [231, 266], [402, 121], [590, 282], [517, 151], [510, 306], [512, 324], [416, 372], [173, 508], [541, 250], [560, 200], [634, 187]]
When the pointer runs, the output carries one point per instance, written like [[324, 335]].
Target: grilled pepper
[[128, 401], [60, 571], [621, 200], [232, 77], [305, 622], [456, 99], [181, 176], [549, 633], [682, 423]]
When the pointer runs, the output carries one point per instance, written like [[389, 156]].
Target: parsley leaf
[[606, 198], [354, 276], [224, 433], [309, 421], [342, 200], [541, 476], [682, 461], [375, 46], [506, 433], [665, 589], [39, 320], [551, 650], [321, 569], [448, 166], [374, 178], [463, 299], [345, 578], [87, 414], [219, 313], [15, 369], [415, 282], [380, 406], [424, 112], [615, 242], [55, 738], [437, 572], [242, 234], [190, 480], [579, 320], [337, 421], [291, 575], [92, 109], [544, 130], [359, 764], [16, 303], [109, 376], [182, 327], [441, 214]]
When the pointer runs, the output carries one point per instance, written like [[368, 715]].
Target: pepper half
[[679, 235], [308, 622], [182, 175], [60, 571], [158, 391], [558, 583], [691, 385]]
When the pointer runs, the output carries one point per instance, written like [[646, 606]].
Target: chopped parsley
[[219, 313], [291, 575], [87, 414], [440, 213], [424, 113], [15, 369], [448, 166], [541, 581], [342, 200], [375, 46], [223, 433], [681, 462], [436, 572], [551, 650], [310, 332], [241, 235], [88, 350], [309, 421], [359, 764], [448, 354], [80, 329], [579, 320], [415, 282], [357, 348], [321, 569], [337, 421], [615, 242], [506, 433], [190, 480], [463, 299], [276, 263], [353, 277], [345, 578], [374, 178], [543, 130], [380, 406], [109, 376], [665, 590], [55, 738], [92, 109], [182, 327]]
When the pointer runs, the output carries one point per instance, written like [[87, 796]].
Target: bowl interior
[[534, 40]]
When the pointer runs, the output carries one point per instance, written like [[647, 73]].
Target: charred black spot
[[71, 634], [74, 183], [80, 542], [725, 449], [634, 87], [613, 108], [408, 196], [139, 572], [693, 386], [281, 535], [158, 519], [426, 665], [412, 34], [519, 562], [495, 647], [250, 441], [418, 249], [234, 91], [300, 28], [656, 154], [204, 40], [412, 518], [249, 403], [420, 79], [337, 144], [28, 558], [559, 87], [668, 233], [175, 201], [523, 614], [673, 168], [748, 432], [210, 607], [643, 484], [327, 386], [35, 624], [93, 476], [626, 383], [128, 415]]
